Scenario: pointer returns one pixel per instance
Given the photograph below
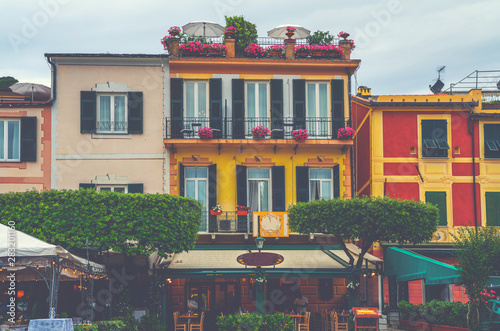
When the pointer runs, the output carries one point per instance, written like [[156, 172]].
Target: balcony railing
[[111, 126], [236, 128], [226, 222]]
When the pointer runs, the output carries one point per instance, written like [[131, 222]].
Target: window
[[320, 184], [434, 138], [118, 189], [439, 200], [440, 292], [196, 101], [492, 140], [259, 189], [256, 105], [9, 140], [318, 120], [492, 208], [112, 113], [196, 184]]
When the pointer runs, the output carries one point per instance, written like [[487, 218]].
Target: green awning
[[407, 265]]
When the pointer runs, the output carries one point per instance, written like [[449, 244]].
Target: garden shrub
[[255, 322], [435, 312]]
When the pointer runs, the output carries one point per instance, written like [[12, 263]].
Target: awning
[[315, 262], [407, 265]]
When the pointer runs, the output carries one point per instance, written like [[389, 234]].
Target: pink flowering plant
[[192, 48], [206, 132], [342, 33], [230, 30], [291, 29], [334, 51], [302, 50], [260, 131], [255, 50], [346, 133], [279, 48], [216, 48], [300, 134], [174, 29]]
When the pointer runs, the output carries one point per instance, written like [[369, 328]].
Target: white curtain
[[105, 111], [2, 140], [189, 99], [311, 109], [253, 195], [202, 100], [13, 140], [120, 119]]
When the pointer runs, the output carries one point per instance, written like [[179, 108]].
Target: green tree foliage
[[478, 254], [7, 81], [128, 223], [368, 219], [320, 38], [246, 33]]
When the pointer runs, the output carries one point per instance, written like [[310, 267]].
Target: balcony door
[[259, 189], [318, 116], [196, 101], [256, 105], [196, 184]]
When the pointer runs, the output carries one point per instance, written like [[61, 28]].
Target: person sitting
[[301, 303]]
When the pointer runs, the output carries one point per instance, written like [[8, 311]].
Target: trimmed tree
[[367, 219], [246, 32], [7, 81], [478, 255], [129, 223]]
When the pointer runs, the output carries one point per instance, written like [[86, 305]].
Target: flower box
[[242, 212], [260, 132], [213, 212]]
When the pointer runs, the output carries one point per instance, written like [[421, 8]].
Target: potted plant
[[216, 49], [300, 135], [255, 50], [276, 50], [242, 210], [302, 51], [260, 132], [318, 50], [346, 133], [174, 31], [216, 210], [290, 30], [333, 51], [343, 34], [230, 31], [205, 133], [191, 48]]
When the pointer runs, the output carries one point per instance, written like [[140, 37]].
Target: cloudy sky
[[401, 43]]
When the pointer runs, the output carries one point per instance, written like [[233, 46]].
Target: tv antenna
[[438, 85]]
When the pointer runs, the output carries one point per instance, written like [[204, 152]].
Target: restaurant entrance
[[218, 296]]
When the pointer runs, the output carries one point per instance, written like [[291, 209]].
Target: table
[[368, 318], [189, 317], [296, 319]]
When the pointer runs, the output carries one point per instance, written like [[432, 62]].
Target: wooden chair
[[177, 325], [198, 326], [305, 325], [342, 323]]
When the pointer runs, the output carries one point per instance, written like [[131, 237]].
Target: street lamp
[[259, 242]]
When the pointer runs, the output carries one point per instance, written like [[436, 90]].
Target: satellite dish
[[438, 85]]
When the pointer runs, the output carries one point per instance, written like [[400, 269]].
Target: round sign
[[260, 259]]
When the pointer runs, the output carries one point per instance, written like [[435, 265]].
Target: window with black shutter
[[176, 107], [492, 141], [434, 138], [215, 92], [238, 103], [278, 181], [277, 124], [337, 90], [299, 104], [28, 139]]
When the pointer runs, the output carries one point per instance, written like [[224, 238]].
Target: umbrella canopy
[[203, 29], [36, 92], [279, 32]]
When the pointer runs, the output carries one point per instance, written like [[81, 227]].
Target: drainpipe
[[471, 132], [351, 150]]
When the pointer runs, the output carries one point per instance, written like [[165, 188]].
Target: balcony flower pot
[[174, 31], [242, 212], [258, 136], [206, 133], [229, 32], [213, 212]]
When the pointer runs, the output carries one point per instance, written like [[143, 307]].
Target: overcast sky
[[400, 42]]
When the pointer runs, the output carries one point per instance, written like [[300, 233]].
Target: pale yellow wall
[[6, 188], [148, 172], [231, 156]]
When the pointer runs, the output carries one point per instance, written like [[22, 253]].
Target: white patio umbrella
[[203, 29], [279, 32]]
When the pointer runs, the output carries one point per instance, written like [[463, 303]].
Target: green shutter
[[302, 183], [492, 140], [434, 135], [299, 104], [238, 103], [88, 113], [212, 196], [336, 181], [439, 200], [176, 107], [135, 188], [493, 208], [135, 104], [277, 127], [181, 180], [28, 139], [278, 174], [241, 195], [215, 93], [337, 91]]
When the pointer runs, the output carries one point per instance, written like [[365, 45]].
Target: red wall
[[463, 204], [415, 292], [406, 191], [460, 135], [459, 294], [463, 169], [400, 169], [361, 148], [400, 133]]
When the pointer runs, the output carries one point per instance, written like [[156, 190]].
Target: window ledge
[[13, 164], [110, 136]]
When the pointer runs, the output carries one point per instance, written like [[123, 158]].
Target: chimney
[[346, 46], [173, 47], [290, 49], [364, 91], [230, 44]]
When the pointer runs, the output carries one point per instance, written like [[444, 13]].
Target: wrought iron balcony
[[111, 126], [237, 128], [226, 222]]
